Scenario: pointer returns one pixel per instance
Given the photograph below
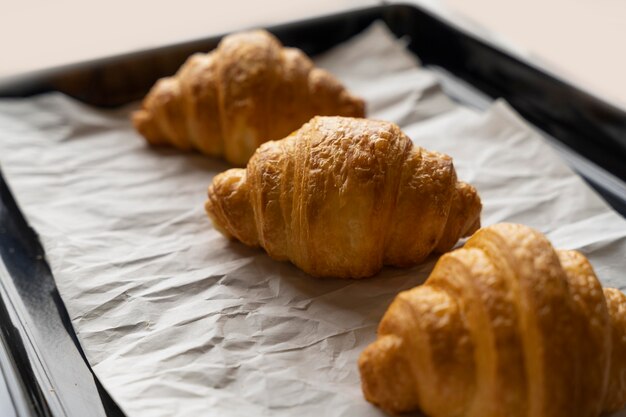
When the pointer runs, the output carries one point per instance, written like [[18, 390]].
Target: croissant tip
[[138, 117], [353, 106], [144, 124], [377, 363], [473, 228]]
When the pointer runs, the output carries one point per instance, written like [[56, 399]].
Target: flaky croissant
[[248, 91], [505, 326], [342, 196]]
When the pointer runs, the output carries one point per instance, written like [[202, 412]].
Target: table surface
[[582, 39]]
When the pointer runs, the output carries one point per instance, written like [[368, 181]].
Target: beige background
[[581, 39]]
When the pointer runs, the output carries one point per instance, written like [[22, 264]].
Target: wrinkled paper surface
[[177, 321]]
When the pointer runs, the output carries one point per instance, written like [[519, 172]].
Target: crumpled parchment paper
[[177, 321]]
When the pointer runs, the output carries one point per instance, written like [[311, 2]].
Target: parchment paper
[[177, 321]]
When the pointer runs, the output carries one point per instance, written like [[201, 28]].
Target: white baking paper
[[177, 321]]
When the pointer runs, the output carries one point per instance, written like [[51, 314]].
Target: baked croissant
[[249, 90], [342, 196], [505, 326]]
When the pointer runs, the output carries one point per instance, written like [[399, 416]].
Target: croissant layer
[[505, 326], [342, 196], [249, 90]]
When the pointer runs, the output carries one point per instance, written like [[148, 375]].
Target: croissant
[[249, 90], [505, 326], [342, 196]]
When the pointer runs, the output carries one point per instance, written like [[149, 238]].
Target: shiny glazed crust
[[342, 196], [505, 326], [248, 91]]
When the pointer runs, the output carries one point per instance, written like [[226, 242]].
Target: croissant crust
[[505, 326], [343, 196], [249, 90]]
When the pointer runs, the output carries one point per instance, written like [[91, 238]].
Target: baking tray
[[43, 370]]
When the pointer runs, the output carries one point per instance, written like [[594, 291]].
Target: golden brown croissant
[[505, 326], [342, 196], [249, 90]]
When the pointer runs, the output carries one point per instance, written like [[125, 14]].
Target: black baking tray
[[43, 368]]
